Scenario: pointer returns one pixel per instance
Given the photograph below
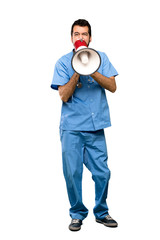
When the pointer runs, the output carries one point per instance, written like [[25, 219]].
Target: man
[[85, 114]]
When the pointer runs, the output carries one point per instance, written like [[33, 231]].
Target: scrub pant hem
[[77, 216]]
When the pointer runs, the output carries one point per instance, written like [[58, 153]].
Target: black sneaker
[[75, 225], [108, 221]]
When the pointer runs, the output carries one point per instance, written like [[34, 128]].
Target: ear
[[90, 39]]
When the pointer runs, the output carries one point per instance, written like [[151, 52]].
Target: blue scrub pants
[[88, 148]]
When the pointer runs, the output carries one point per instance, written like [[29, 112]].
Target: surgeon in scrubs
[[84, 115]]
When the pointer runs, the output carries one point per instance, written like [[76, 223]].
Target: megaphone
[[86, 60]]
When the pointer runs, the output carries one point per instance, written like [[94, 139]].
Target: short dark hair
[[82, 23]]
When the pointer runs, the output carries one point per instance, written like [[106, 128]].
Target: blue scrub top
[[87, 109]]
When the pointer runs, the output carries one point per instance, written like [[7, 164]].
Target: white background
[[33, 201]]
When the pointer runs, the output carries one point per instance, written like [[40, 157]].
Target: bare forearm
[[67, 90], [105, 82]]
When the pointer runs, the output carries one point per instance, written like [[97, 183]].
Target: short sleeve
[[60, 76], [108, 70]]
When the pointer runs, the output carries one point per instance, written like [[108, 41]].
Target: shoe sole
[[113, 225], [74, 229]]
